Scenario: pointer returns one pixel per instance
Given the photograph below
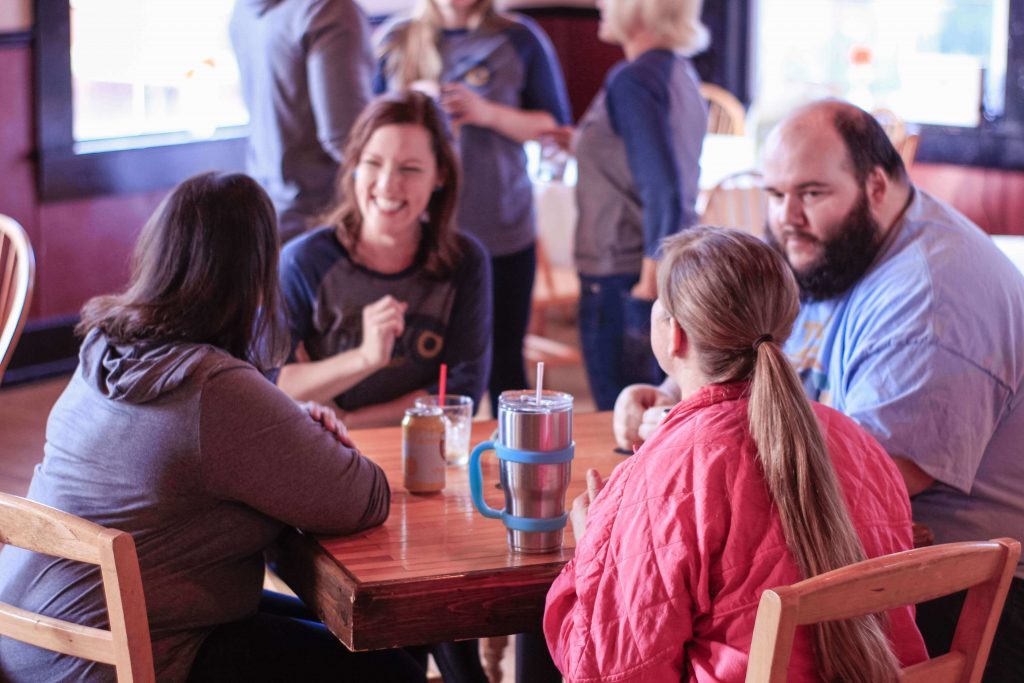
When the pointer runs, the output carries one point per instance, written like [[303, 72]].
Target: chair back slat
[[17, 277], [984, 569], [40, 528], [726, 115], [43, 529], [891, 581], [56, 634], [738, 201]]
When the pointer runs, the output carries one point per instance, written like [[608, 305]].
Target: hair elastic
[[761, 340]]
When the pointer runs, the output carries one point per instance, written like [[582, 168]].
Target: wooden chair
[[883, 583], [737, 201], [903, 140], [42, 529], [554, 288], [17, 275], [726, 115]]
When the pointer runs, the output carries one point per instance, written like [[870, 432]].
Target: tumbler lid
[[525, 401]]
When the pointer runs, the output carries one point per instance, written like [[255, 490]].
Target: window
[[940, 62], [952, 67], [144, 67]]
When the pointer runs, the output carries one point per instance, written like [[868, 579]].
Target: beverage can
[[423, 462]]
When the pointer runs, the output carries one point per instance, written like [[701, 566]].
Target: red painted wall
[[82, 247]]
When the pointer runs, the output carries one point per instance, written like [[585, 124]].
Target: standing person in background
[[305, 67], [499, 81], [638, 148]]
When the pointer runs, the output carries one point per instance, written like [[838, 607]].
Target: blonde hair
[[411, 53], [736, 299], [675, 23]]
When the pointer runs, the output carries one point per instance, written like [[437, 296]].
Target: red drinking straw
[[441, 384]]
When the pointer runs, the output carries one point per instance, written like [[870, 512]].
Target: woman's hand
[[329, 420], [464, 106], [560, 137], [646, 287], [383, 323], [581, 505]]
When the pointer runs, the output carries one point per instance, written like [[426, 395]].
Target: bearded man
[[911, 323]]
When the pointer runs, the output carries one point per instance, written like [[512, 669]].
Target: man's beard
[[845, 257]]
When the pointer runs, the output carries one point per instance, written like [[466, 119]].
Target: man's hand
[[581, 504], [639, 409], [329, 420], [383, 323], [561, 137]]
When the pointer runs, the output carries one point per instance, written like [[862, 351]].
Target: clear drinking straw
[[540, 380]]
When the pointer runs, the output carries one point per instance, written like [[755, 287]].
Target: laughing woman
[[386, 292]]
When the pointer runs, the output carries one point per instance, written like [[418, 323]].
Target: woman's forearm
[[322, 380], [517, 124]]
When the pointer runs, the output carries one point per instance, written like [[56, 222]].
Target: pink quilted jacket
[[684, 538]]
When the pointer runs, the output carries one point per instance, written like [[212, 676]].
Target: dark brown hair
[[204, 271], [439, 243], [736, 299]]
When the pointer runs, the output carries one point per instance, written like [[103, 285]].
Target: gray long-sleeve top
[[204, 462], [305, 67]]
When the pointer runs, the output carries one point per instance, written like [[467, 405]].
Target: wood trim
[[15, 39], [47, 348]]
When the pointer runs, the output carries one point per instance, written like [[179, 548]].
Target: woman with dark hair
[[387, 291], [746, 485], [169, 431]]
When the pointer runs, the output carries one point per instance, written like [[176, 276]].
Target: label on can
[[423, 463]]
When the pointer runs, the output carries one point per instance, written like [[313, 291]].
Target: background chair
[[555, 288], [726, 115], [904, 141], [883, 583], [42, 529], [737, 201], [17, 275]]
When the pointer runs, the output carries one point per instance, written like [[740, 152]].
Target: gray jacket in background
[[305, 68], [204, 462]]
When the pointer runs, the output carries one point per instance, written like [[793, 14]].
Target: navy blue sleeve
[[298, 293], [638, 107], [467, 345], [379, 82], [544, 87]]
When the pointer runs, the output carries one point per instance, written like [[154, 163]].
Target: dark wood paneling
[[992, 198]]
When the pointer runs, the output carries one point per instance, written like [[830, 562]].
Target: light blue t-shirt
[[926, 352]]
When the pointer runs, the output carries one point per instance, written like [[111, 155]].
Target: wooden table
[[437, 570]]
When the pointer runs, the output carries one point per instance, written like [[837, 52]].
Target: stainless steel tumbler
[[535, 451]]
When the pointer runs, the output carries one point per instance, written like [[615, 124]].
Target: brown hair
[[736, 299], [439, 245], [203, 271], [411, 52]]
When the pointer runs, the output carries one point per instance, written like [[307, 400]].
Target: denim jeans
[[512, 296], [937, 621], [615, 332]]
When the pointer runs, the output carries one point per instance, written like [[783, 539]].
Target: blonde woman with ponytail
[[498, 79], [745, 486]]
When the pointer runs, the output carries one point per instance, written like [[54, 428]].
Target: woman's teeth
[[387, 205]]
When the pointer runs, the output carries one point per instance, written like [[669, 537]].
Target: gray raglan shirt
[[204, 462]]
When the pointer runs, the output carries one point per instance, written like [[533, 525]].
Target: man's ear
[[877, 187]]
